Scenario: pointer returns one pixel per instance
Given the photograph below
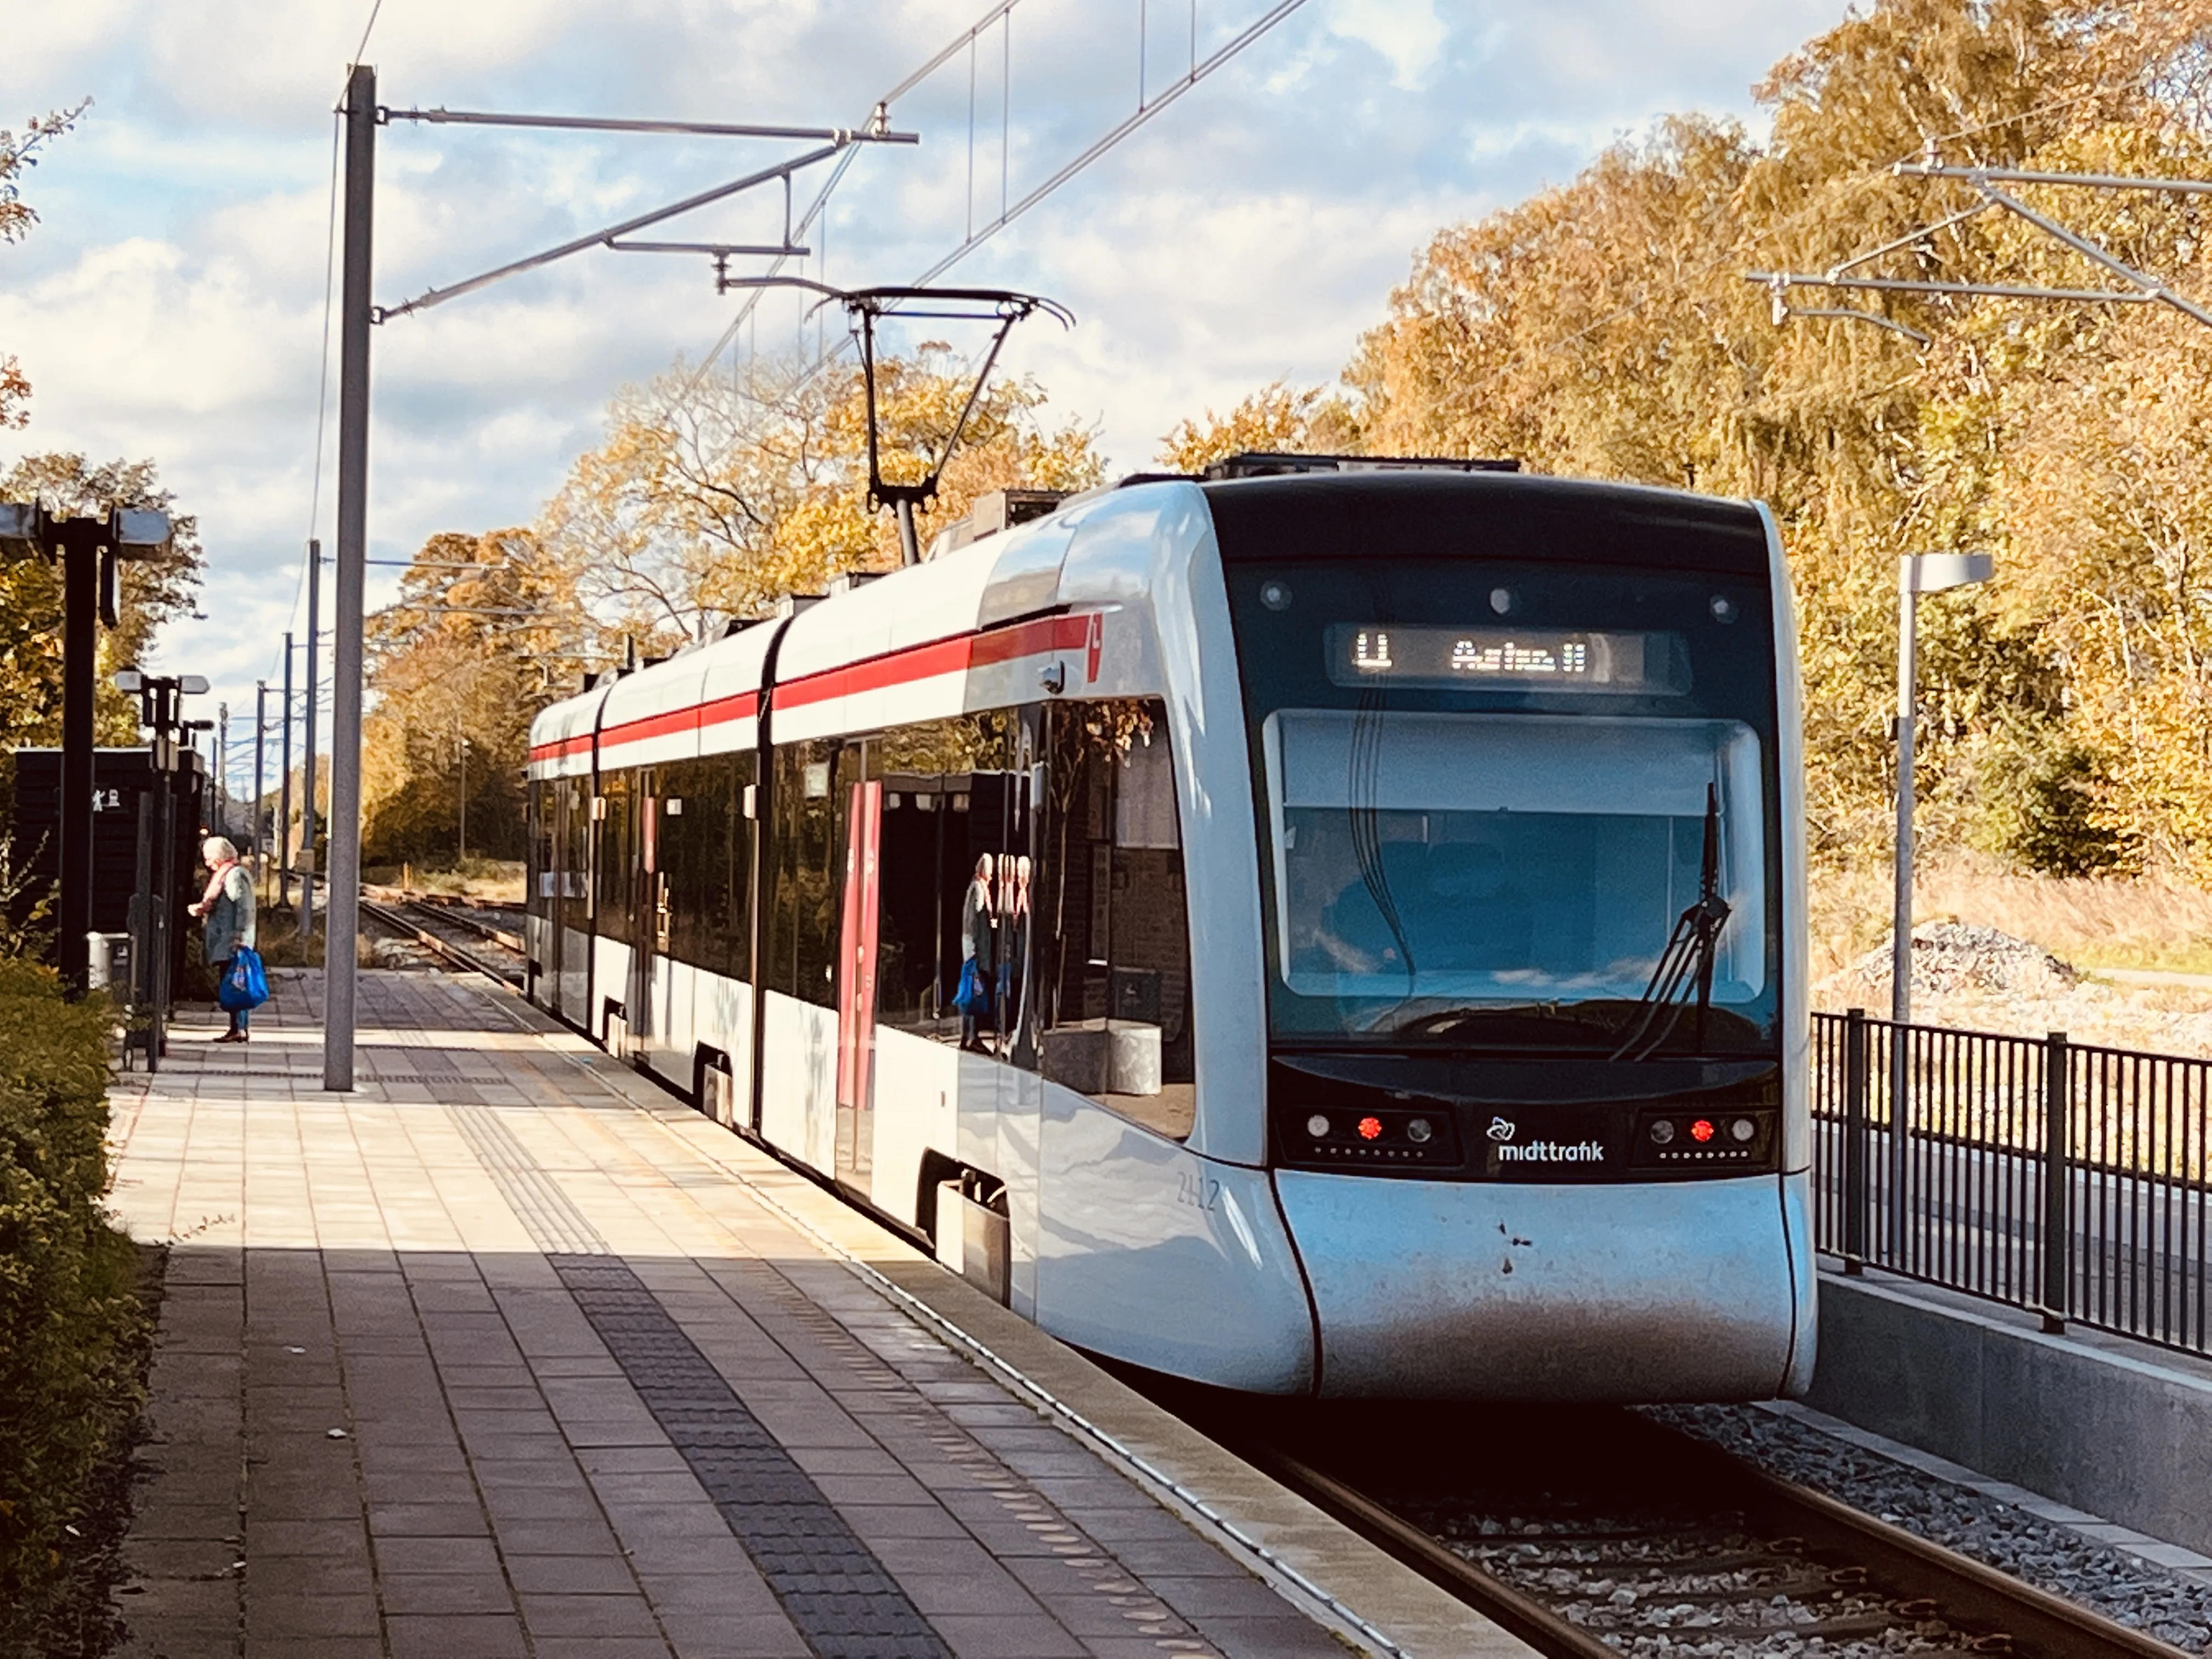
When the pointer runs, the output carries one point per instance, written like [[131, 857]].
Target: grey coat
[[230, 923]]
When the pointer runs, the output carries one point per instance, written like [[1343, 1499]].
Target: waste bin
[[110, 960]]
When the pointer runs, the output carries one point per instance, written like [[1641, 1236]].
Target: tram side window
[[951, 793], [544, 878], [1108, 915], [573, 840], [807, 807], [614, 868], [705, 854]]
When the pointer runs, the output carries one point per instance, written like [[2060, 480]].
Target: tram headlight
[[1316, 1125], [1418, 1131], [1662, 1131], [1743, 1129]]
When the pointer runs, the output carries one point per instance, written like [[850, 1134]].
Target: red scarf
[[214, 882]]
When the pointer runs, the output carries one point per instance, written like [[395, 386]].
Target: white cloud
[[170, 303], [1408, 34]]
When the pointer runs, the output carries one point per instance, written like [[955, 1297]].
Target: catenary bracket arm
[[2152, 288], [438, 296], [875, 133]]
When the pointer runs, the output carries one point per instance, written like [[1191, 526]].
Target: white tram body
[[1335, 825]]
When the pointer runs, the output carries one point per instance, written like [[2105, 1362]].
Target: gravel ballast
[[2044, 1553]]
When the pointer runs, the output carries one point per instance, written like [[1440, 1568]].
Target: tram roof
[[1425, 513], [1402, 512]]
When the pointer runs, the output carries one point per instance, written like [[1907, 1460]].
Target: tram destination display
[[1584, 662]]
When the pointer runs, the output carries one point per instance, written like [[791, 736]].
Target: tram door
[[570, 906], [648, 1025], [859, 941]]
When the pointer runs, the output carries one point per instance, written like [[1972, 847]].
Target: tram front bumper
[[1691, 1289]]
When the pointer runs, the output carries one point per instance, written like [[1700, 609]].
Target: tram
[[1325, 927]]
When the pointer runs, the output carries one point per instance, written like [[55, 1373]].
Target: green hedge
[[72, 1324]]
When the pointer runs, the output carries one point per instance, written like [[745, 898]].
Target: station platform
[[509, 1353]]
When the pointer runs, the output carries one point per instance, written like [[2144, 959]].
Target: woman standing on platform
[[227, 907]]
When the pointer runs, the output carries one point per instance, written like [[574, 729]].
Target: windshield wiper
[[1688, 960]]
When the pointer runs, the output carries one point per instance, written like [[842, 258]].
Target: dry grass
[[281, 945], [499, 880], [2148, 921]]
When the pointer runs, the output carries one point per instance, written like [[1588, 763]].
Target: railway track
[[487, 950], [1595, 1533]]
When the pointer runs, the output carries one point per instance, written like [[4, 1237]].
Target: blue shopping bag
[[973, 995], [244, 983]]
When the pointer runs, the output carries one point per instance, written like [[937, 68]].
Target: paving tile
[[518, 1464], [982, 1636], [448, 1636], [445, 1593], [574, 1575], [411, 1556], [277, 1615], [758, 1635], [600, 1647], [1284, 1636], [556, 1537], [602, 1616], [426, 1519]]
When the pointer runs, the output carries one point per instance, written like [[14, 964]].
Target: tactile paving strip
[[837, 1595], [836, 1591]]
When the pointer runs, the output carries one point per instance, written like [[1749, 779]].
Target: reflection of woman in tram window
[[1014, 940], [978, 956]]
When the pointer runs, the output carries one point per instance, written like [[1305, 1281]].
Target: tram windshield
[[1428, 861], [1519, 802]]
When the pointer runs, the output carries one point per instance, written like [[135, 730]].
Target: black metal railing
[[2057, 1176]]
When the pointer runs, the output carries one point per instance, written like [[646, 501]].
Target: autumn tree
[[483, 635], [712, 497], [151, 593], [1604, 328], [19, 153], [1309, 420]]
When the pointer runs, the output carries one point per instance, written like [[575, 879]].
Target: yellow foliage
[[1274, 419], [458, 667], [713, 497], [1605, 329]]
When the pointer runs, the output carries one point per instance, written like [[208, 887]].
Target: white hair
[[217, 849]]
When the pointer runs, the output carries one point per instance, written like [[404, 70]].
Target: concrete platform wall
[[2115, 1427]]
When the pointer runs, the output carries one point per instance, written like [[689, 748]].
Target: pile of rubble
[[1981, 979], [1950, 959]]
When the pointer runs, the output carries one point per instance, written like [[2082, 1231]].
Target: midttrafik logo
[[1554, 1151]]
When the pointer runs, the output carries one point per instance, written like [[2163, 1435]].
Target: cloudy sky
[[171, 302]]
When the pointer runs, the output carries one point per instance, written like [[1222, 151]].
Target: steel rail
[[1517, 1614], [384, 915], [457, 914], [1979, 1599], [2041, 1625]]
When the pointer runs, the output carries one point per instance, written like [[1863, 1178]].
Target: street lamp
[[160, 711], [1916, 574]]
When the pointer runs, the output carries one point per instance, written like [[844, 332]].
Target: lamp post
[[260, 745], [284, 787], [160, 711], [89, 550], [1916, 574]]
